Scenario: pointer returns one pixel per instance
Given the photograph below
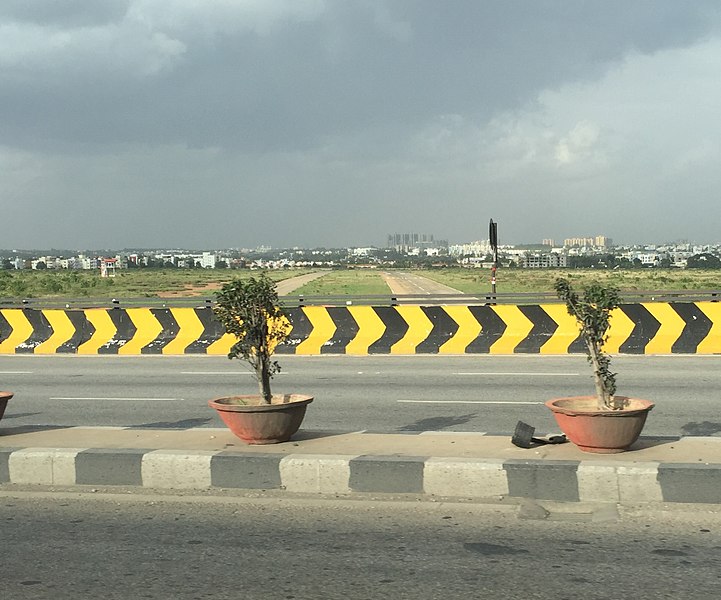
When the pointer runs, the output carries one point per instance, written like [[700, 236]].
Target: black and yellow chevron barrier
[[644, 328]]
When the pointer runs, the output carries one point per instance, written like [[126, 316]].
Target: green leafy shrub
[[249, 309], [592, 313]]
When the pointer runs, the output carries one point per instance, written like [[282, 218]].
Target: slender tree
[[250, 310], [592, 313]]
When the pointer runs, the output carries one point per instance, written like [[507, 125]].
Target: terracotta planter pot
[[4, 397], [602, 432], [257, 423]]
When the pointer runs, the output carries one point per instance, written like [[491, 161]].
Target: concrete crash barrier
[[642, 328], [553, 480]]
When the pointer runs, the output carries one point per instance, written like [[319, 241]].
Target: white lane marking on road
[[101, 398], [525, 374], [223, 373], [101, 427], [453, 433], [463, 402], [16, 372], [215, 373]]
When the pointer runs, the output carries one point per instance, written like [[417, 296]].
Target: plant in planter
[[250, 310], [606, 422], [4, 399]]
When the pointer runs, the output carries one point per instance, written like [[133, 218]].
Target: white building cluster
[[205, 260]]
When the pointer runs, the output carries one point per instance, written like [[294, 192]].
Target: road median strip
[[446, 464]]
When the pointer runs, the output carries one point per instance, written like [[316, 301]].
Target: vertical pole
[[493, 238]]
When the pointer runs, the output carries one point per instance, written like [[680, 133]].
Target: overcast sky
[[235, 123]]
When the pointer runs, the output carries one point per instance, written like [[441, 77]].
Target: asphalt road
[[73, 547], [374, 393]]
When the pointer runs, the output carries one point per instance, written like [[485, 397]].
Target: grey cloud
[[64, 13], [326, 72]]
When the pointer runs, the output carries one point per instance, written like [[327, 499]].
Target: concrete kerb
[[677, 473]]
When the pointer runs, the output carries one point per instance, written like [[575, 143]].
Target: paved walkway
[[432, 464], [288, 286]]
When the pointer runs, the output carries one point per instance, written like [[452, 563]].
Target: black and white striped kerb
[[560, 481]]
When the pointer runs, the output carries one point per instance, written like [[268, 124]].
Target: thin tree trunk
[[602, 395], [264, 381]]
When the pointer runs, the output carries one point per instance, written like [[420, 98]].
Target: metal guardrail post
[[302, 301]]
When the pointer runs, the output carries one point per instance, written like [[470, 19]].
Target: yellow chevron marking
[[21, 329], [671, 327], [419, 326], [190, 329], [468, 330], [370, 329], [147, 329], [222, 345], [567, 331], [518, 326], [225, 343], [105, 330], [323, 330], [63, 330], [283, 326], [711, 344], [619, 330]]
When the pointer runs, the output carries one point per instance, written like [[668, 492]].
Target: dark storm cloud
[[149, 79]]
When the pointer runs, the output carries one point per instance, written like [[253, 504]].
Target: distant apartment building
[[577, 242], [548, 242], [546, 260], [208, 260], [88, 262], [405, 242], [600, 241], [648, 258], [478, 248]]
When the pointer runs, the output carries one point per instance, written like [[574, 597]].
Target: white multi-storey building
[[547, 260], [208, 260], [478, 248]]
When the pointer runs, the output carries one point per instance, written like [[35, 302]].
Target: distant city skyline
[[577, 253], [401, 242]]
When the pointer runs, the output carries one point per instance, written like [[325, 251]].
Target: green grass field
[[541, 280], [129, 283], [138, 283], [473, 281]]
